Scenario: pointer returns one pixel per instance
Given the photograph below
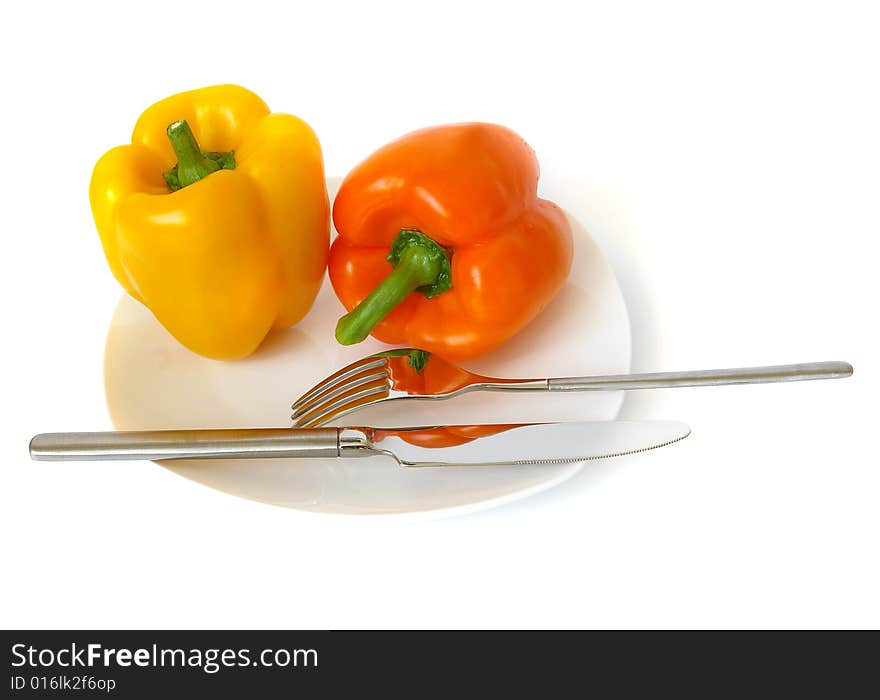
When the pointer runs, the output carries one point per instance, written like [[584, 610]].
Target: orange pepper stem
[[192, 162], [420, 265]]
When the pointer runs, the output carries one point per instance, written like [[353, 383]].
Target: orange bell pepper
[[444, 244]]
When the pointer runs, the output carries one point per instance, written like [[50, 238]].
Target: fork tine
[[333, 380], [345, 403], [302, 407]]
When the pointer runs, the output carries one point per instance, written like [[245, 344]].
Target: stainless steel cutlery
[[441, 446], [412, 374]]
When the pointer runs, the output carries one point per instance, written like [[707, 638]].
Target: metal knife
[[437, 446]]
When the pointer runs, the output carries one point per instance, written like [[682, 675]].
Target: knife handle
[[250, 443], [707, 377]]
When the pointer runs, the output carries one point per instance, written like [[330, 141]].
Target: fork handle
[[707, 377]]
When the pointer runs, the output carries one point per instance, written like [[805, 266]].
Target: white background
[[725, 157]]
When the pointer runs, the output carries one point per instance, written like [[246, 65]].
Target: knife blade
[[434, 446]]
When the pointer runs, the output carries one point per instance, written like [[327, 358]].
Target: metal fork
[[413, 374]]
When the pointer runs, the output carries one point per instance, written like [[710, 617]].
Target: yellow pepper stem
[[192, 162]]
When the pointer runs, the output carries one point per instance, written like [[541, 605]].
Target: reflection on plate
[[153, 383]]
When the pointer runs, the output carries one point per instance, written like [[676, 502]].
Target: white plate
[[152, 383]]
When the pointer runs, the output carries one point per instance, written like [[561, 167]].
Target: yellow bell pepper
[[216, 218]]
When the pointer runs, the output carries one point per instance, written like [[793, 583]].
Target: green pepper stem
[[419, 263], [184, 143], [192, 162]]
